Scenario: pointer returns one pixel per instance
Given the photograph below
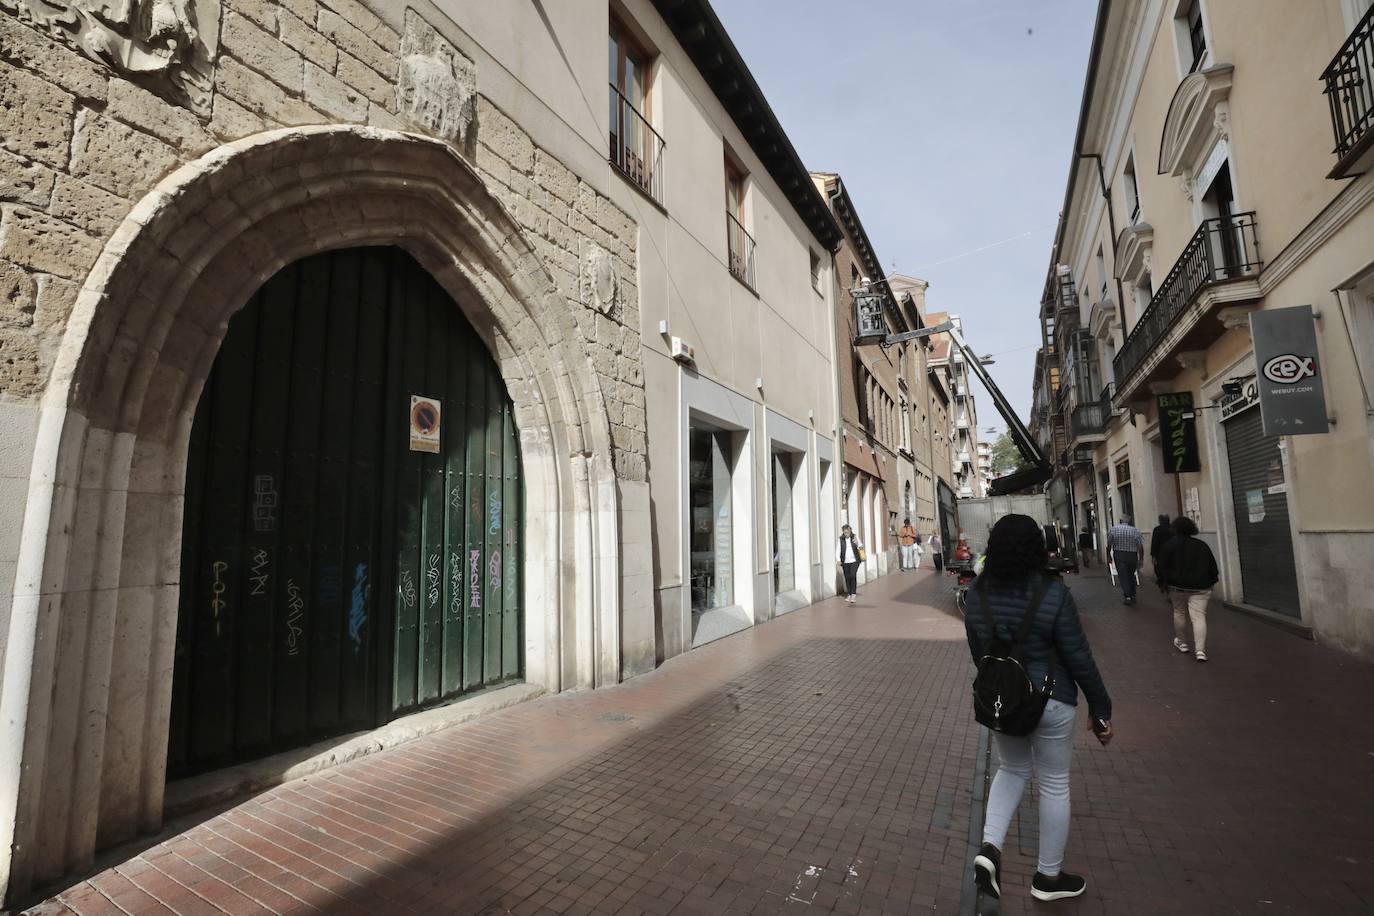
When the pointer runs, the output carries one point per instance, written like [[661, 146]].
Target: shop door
[[347, 554], [1267, 572]]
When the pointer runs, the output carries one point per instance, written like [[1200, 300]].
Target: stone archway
[[87, 675]]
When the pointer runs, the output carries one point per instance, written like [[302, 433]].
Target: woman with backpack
[[1033, 658]]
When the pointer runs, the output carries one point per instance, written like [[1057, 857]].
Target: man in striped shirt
[[1127, 546]]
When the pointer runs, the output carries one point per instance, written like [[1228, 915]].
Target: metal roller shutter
[[332, 578], [1268, 575]]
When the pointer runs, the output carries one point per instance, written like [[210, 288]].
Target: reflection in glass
[[711, 519], [784, 542]]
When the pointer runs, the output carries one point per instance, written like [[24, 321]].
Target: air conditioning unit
[[682, 351]]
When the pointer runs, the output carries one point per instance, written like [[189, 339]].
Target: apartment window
[[815, 271], [740, 243], [636, 148], [1197, 38], [1190, 33], [710, 458], [1102, 272], [1132, 189]]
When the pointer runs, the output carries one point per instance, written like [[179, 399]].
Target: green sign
[[1178, 433]]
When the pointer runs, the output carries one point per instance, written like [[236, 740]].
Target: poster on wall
[[424, 424], [1254, 504], [1292, 400], [1192, 506], [1178, 433]]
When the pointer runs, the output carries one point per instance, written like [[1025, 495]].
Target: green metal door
[[351, 543]]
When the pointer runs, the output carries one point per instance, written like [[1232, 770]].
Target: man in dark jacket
[[1188, 570], [1162, 534]]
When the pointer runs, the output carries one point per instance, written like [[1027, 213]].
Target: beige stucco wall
[[1313, 238]]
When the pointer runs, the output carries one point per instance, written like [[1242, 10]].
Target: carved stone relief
[[169, 46], [599, 285], [437, 89]]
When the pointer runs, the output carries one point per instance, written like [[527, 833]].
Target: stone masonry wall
[[80, 144]]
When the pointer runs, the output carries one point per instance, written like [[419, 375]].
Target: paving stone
[[824, 760]]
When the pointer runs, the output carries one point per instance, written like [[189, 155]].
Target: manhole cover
[[614, 717]]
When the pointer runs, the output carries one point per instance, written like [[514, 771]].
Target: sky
[[951, 123]]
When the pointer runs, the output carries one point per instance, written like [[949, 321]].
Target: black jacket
[[1158, 538], [1187, 563], [1056, 641]]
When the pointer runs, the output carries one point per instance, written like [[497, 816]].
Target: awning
[[860, 456]]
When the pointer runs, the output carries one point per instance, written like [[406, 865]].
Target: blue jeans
[[1049, 750], [1127, 562]]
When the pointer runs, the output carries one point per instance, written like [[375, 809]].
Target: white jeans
[[1190, 605], [908, 556], [1049, 749]]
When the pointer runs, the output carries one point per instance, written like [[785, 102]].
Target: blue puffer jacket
[[1056, 641]]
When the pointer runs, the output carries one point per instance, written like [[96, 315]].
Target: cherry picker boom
[[871, 327]]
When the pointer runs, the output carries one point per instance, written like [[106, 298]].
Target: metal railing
[[636, 148], [1349, 88], [1223, 249], [1089, 419], [741, 250]]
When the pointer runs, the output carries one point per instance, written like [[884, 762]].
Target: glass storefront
[[711, 460], [784, 539]]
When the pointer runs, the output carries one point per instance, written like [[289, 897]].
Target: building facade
[[1204, 194], [879, 473], [963, 432], [362, 356]]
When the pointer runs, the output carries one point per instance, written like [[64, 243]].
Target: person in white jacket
[[849, 554]]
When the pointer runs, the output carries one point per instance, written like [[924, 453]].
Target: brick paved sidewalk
[[1242, 785], [824, 760]]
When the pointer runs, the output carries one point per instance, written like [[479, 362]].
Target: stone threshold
[[197, 793], [1282, 621]]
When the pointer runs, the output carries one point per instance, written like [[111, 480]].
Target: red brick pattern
[[824, 760]]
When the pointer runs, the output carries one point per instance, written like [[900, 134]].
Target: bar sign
[[1178, 432]]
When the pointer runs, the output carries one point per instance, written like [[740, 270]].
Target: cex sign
[[1292, 401]]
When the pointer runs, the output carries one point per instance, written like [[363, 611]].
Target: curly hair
[[1016, 549], [1185, 526]]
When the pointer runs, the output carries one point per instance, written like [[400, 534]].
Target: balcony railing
[[741, 251], [1089, 419], [1223, 249], [636, 148], [1349, 88]]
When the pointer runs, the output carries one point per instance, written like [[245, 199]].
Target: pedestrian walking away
[[1127, 545], [1049, 644], [1085, 547], [849, 554], [908, 538], [1187, 571], [1163, 533], [937, 551]]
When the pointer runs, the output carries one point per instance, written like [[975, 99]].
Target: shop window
[[784, 525], [711, 460]]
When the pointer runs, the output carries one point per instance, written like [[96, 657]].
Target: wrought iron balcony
[[1349, 80], [636, 148], [741, 251], [1089, 419], [1223, 249]]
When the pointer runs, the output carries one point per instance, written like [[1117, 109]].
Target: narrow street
[[822, 762]]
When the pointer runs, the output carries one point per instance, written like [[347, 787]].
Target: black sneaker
[[987, 870], [1059, 887]]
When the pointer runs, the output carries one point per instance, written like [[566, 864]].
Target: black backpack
[[1004, 699]]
